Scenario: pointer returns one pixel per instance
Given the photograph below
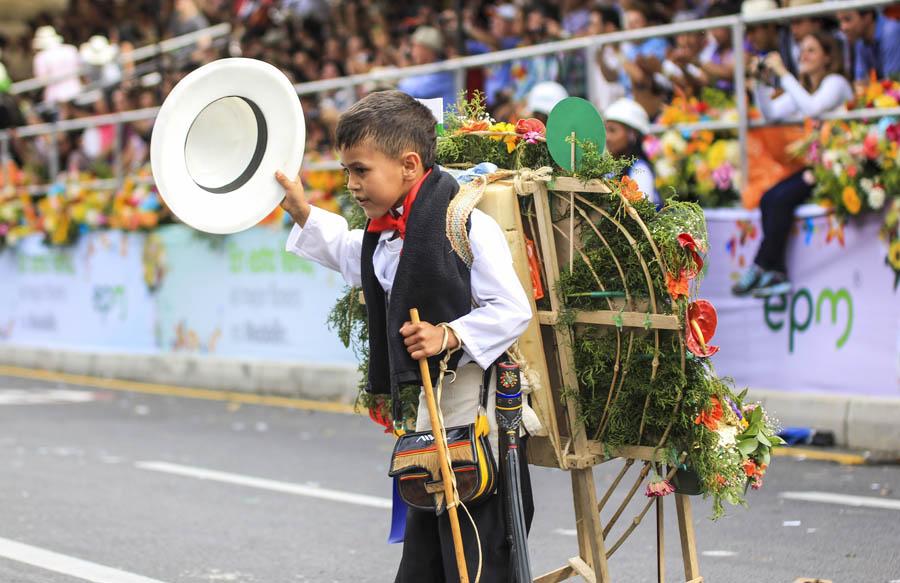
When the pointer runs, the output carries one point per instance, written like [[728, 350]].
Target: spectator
[[427, 47], [527, 73], [717, 58], [642, 60], [55, 60], [876, 40], [820, 89], [604, 83], [765, 38], [626, 125], [682, 66], [605, 87], [100, 58], [799, 28], [502, 36]]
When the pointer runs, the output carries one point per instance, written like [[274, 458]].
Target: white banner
[[838, 331]]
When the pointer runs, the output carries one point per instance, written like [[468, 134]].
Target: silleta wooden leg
[[660, 542], [591, 546], [688, 544]]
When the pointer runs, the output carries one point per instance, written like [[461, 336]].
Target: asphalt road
[[126, 487]]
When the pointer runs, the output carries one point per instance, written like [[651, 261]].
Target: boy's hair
[[394, 122]]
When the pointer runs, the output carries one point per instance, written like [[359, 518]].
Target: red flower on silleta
[[701, 327], [678, 288], [686, 240], [658, 487], [378, 414], [474, 126], [710, 418], [530, 124]]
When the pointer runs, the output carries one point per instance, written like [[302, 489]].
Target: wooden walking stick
[[437, 430]]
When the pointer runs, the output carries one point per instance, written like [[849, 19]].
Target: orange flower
[[851, 200], [630, 190], [474, 126], [750, 467], [678, 287], [710, 419]]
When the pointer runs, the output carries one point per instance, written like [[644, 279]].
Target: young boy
[[404, 260]]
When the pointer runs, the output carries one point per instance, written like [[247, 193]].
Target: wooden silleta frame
[[548, 351]]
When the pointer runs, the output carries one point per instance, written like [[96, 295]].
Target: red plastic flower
[[701, 327], [710, 417], [530, 124], [870, 146], [686, 240], [893, 132]]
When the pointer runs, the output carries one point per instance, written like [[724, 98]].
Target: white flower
[[837, 169], [876, 198], [674, 142], [867, 184], [829, 158], [727, 435], [665, 169]]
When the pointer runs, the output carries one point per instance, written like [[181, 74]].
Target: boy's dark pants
[[428, 555]]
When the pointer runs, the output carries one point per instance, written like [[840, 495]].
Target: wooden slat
[[569, 184], [583, 569], [660, 542], [555, 576], [608, 318], [688, 542], [635, 452]]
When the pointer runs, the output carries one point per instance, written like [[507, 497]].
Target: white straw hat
[[754, 7], [46, 37], [629, 112], [544, 96], [218, 139], [97, 51]]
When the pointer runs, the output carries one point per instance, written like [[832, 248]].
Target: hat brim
[[242, 196]]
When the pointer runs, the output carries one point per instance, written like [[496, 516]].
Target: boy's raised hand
[[294, 202], [423, 339]]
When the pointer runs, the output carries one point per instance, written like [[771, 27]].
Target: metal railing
[[138, 54], [589, 44]]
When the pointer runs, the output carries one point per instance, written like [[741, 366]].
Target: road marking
[[175, 391], [67, 565], [850, 459], [39, 396], [843, 499], [718, 553], [265, 484]]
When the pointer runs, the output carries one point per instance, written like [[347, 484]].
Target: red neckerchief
[[391, 223]]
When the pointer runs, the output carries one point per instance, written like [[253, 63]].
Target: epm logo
[[801, 309]]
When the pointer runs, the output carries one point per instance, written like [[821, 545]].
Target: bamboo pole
[[440, 445]]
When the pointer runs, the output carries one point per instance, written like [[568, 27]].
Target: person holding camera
[[821, 88]]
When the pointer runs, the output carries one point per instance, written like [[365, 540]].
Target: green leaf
[[776, 440], [763, 439], [766, 458], [756, 416], [747, 446]]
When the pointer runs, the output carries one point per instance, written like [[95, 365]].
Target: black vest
[[430, 276]]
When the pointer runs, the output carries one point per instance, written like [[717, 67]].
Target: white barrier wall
[[239, 296], [242, 296], [838, 332]]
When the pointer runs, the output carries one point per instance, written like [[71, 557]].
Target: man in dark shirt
[[876, 40]]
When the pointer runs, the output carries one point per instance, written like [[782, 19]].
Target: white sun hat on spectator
[[218, 140], [46, 37], [544, 96], [628, 112], [754, 7], [97, 51], [430, 37]]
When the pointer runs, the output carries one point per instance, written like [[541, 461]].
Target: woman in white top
[[626, 125], [821, 88]]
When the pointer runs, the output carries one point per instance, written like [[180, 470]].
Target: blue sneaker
[[748, 281], [772, 283]]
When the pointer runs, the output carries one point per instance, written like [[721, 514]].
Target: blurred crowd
[[85, 53]]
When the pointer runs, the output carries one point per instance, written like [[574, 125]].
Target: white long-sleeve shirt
[[502, 310], [833, 92]]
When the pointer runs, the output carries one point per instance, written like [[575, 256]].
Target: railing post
[[53, 158], [740, 95], [118, 171], [590, 58], [4, 163]]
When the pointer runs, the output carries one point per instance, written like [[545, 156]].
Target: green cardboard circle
[[573, 114]]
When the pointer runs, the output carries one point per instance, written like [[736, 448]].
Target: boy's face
[[378, 182]]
